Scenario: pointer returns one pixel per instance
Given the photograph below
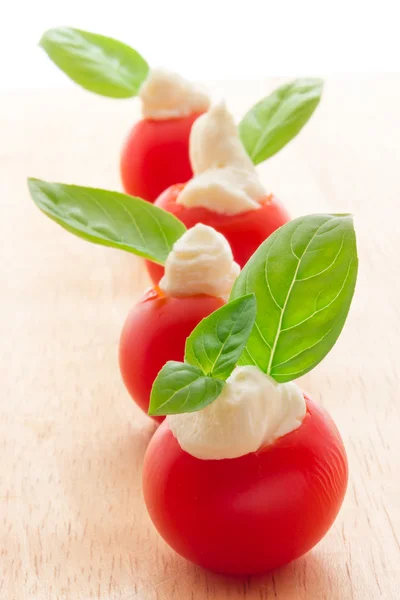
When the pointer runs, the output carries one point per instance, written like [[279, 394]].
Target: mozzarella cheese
[[201, 262], [167, 95], [225, 178], [252, 410]]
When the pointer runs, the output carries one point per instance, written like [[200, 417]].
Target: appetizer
[[156, 153], [247, 472], [199, 273]]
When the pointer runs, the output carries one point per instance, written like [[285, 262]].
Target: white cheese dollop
[[167, 95], [201, 262], [225, 178], [253, 410]]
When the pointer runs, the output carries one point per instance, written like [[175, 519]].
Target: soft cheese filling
[[201, 262], [252, 411], [167, 95], [225, 179]]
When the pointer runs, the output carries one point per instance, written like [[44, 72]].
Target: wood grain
[[72, 521]]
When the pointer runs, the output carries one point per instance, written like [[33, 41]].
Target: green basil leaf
[[97, 63], [109, 218], [303, 278], [278, 118], [180, 388], [217, 342]]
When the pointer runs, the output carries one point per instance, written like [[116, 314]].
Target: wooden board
[[72, 520]]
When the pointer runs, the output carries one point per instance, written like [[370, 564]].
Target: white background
[[211, 39]]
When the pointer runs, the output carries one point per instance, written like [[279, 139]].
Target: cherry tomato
[[244, 231], [156, 155], [155, 332], [251, 514]]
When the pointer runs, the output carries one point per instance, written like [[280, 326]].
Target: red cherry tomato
[[251, 514], [156, 155], [244, 231], [155, 332]]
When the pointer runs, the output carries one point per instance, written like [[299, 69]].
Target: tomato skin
[[155, 331], [156, 155], [251, 514]]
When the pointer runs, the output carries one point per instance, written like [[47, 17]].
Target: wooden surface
[[72, 521]]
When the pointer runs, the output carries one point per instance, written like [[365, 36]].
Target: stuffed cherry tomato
[[225, 192], [156, 152], [199, 273], [250, 514], [246, 473], [155, 332]]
